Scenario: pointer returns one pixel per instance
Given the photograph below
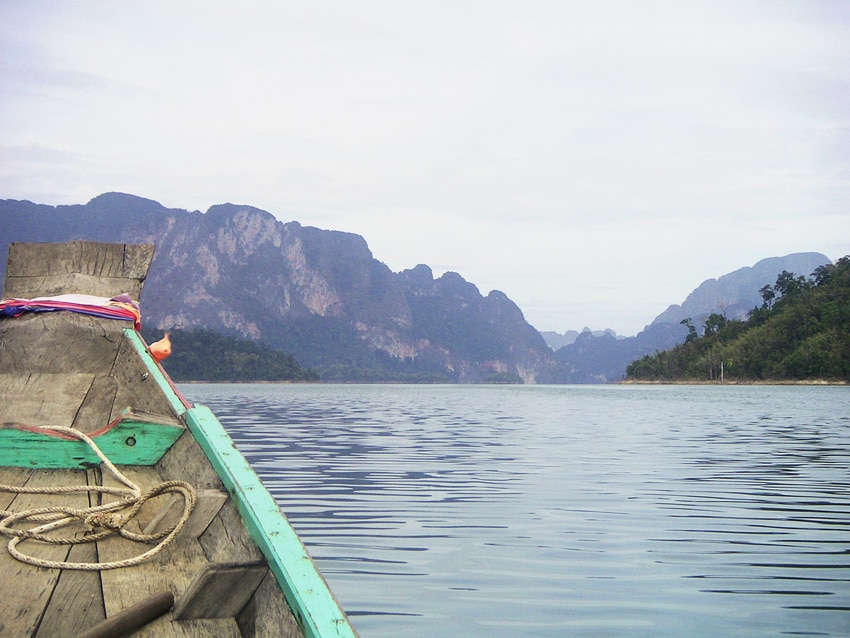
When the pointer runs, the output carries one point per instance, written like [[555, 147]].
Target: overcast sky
[[595, 161]]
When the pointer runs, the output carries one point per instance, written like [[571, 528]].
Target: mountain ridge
[[322, 296], [735, 294], [801, 332], [318, 294], [594, 358]]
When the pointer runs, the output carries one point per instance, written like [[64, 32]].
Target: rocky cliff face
[[455, 324], [318, 294]]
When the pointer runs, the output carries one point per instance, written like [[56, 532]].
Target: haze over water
[[562, 510]]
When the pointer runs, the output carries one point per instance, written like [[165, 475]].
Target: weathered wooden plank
[[41, 259], [166, 627], [77, 601], [59, 336], [101, 260], [42, 398], [220, 590], [133, 618], [106, 270], [305, 589], [24, 588], [137, 261], [12, 476], [97, 407], [207, 507], [127, 621], [267, 614], [78, 283], [139, 385], [227, 540], [185, 460], [172, 570]]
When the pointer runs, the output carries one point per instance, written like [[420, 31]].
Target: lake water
[[562, 510]]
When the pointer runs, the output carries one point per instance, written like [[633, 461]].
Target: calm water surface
[[562, 511]]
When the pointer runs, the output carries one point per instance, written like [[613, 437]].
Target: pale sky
[[595, 161]]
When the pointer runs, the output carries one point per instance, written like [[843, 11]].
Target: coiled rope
[[103, 520]]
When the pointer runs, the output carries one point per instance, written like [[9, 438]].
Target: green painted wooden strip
[[306, 591], [129, 442], [155, 371]]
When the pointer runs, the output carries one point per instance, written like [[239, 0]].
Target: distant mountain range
[[317, 294], [322, 296], [736, 294], [556, 340], [800, 332], [601, 357]]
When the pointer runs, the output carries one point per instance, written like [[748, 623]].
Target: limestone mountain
[[556, 340], [734, 295], [317, 294], [595, 358]]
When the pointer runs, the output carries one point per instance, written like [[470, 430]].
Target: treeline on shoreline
[[800, 332], [205, 355], [202, 355]]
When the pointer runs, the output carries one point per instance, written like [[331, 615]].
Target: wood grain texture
[[24, 588], [172, 570], [91, 268], [220, 590], [137, 385], [267, 614], [207, 507], [77, 601], [131, 619], [42, 398], [12, 476], [98, 404], [67, 342]]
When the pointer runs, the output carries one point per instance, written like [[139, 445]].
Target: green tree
[[789, 285], [802, 334], [714, 324], [767, 295], [692, 330]]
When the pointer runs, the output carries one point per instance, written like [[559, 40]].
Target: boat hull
[[236, 567]]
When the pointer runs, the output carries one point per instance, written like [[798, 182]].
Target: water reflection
[[562, 511]]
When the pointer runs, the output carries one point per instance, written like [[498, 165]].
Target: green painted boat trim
[[177, 402], [305, 589], [130, 441]]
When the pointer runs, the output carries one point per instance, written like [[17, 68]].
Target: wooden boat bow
[[236, 568]]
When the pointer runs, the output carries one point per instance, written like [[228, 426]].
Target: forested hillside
[[800, 332], [602, 358], [205, 355]]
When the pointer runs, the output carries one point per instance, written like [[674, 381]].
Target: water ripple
[[551, 511]]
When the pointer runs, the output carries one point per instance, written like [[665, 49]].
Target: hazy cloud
[[595, 161]]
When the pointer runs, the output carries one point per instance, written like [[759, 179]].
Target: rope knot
[[105, 520]]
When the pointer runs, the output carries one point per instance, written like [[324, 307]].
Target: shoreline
[[801, 382], [804, 382]]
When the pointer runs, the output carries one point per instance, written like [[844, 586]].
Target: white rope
[[103, 520]]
